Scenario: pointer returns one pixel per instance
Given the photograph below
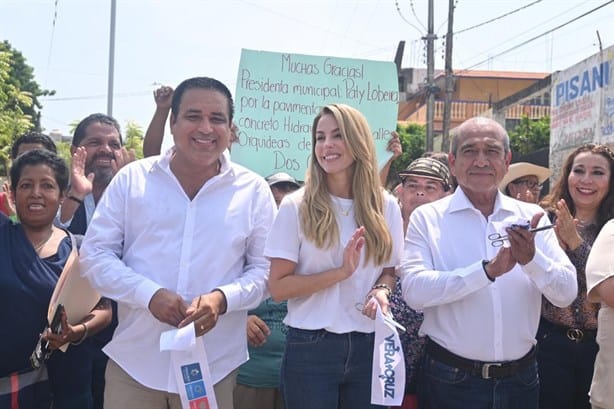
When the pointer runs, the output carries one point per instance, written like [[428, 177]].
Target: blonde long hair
[[317, 216]]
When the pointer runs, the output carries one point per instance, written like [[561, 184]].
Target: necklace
[[585, 222], [345, 212], [39, 246]]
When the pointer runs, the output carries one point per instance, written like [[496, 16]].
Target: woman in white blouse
[[333, 247]]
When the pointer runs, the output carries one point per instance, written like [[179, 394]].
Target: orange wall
[[479, 89]]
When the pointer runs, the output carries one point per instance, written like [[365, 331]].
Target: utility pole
[[447, 104], [430, 70], [111, 60]]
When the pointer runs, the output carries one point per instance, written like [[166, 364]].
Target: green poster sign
[[278, 95]]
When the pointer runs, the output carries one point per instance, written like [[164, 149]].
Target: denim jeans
[[323, 370], [441, 386], [565, 369]]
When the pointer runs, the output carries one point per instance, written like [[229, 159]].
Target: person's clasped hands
[[168, 307], [521, 249]]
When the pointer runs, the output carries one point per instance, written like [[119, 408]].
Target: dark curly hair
[[33, 138], [40, 157]]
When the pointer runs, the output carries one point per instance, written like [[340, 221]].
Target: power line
[[539, 35], [55, 17], [413, 10], [396, 3], [445, 21], [497, 18], [539, 25], [99, 96]]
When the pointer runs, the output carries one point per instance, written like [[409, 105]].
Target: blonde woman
[[334, 246]]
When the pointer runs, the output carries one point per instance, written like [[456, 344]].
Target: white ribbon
[[189, 365], [388, 376]]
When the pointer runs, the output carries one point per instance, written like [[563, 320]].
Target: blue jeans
[[323, 370], [441, 386]]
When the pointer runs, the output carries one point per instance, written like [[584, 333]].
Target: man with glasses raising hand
[[524, 181]]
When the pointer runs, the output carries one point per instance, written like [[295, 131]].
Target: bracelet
[[384, 287], [85, 331], [75, 199]]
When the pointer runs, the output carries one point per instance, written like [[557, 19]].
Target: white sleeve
[[250, 288], [422, 285], [102, 250], [600, 263], [284, 238]]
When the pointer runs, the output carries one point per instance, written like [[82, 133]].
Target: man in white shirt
[[177, 239], [481, 301]]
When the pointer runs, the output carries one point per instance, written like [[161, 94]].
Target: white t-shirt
[[336, 308]]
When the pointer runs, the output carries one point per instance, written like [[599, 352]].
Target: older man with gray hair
[[481, 302]]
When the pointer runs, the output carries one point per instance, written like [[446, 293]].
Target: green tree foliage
[[13, 120], [64, 151], [72, 127], [530, 135], [413, 141], [21, 76], [133, 138]]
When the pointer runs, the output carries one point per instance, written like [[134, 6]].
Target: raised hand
[[503, 262], [123, 156], [6, 188], [80, 183], [163, 97], [566, 227], [394, 146], [352, 250], [526, 196], [522, 241]]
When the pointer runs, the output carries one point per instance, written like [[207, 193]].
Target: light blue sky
[[168, 41]]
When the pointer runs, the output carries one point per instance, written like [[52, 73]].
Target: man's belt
[[481, 369]]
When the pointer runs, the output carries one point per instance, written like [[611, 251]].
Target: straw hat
[[522, 169]]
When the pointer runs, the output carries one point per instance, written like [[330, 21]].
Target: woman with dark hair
[[33, 253], [581, 202], [334, 242]]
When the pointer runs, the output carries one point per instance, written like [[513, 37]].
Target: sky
[[165, 42]]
